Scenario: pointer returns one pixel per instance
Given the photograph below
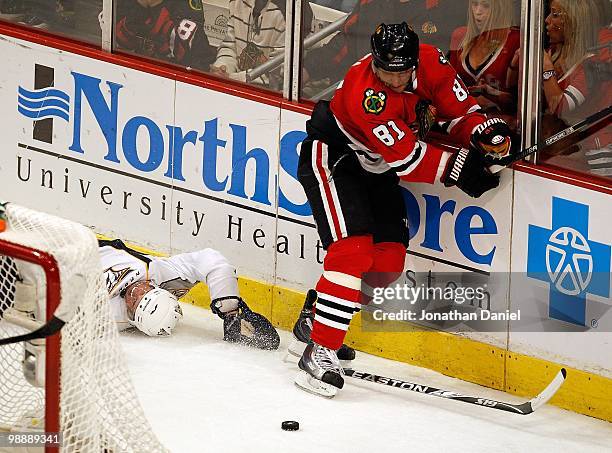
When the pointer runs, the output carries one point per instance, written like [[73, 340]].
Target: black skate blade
[[333, 378]]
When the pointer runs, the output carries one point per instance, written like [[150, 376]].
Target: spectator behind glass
[[432, 20], [255, 33], [576, 83], [572, 28], [481, 54], [159, 29], [599, 152], [39, 14], [73, 18]]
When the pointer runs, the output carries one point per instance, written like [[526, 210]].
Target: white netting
[[99, 407]]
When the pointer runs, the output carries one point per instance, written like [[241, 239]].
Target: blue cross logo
[[564, 257]]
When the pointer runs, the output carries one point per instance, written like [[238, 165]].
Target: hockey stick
[[580, 126], [53, 326], [521, 409]]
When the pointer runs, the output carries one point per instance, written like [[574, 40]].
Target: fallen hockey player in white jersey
[[144, 291]]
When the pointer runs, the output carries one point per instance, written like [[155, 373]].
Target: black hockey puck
[[290, 425]]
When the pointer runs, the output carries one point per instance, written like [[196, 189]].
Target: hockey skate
[[320, 371], [303, 327]]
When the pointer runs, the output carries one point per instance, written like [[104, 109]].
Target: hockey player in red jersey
[[358, 147]]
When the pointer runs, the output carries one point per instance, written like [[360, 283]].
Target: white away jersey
[[177, 274]]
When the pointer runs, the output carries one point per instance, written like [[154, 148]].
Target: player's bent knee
[[353, 255], [389, 257]]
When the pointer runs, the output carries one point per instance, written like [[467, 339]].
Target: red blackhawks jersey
[[376, 120], [492, 71], [158, 33]]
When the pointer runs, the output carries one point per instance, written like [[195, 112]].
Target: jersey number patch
[[460, 93], [385, 135], [186, 29]]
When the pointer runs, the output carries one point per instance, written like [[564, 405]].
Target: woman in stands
[[575, 81], [571, 27], [481, 53]]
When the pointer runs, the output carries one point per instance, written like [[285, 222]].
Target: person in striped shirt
[[255, 33]]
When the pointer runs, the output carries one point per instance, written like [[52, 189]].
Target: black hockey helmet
[[395, 47]]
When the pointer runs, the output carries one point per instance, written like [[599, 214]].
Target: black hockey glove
[[247, 327], [465, 170], [493, 139]]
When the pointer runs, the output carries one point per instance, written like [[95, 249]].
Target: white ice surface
[[201, 394]]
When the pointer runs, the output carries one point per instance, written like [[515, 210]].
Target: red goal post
[[75, 382], [52, 346]]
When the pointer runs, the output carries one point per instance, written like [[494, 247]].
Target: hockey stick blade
[[521, 409], [53, 326]]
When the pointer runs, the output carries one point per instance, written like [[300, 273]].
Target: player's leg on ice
[[242, 325], [339, 293], [334, 184], [320, 371], [361, 235], [303, 327]]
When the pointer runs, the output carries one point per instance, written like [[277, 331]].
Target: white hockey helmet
[[157, 312]]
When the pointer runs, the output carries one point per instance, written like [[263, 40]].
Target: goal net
[[75, 382]]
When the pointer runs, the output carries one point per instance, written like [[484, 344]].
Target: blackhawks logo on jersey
[[374, 102]]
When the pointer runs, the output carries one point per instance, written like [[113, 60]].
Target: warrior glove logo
[[374, 102], [497, 140], [458, 165]]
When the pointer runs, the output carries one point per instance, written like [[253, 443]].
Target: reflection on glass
[[227, 38], [76, 19], [434, 22], [576, 82], [168, 30], [340, 5], [255, 34], [482, 52]]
